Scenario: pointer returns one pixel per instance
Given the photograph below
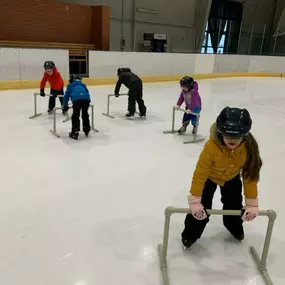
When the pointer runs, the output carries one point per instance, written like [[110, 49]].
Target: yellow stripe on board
[[34, 84]]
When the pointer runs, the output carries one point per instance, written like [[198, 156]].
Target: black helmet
[[234, 122], [49, 65], [123, 69], [187, 81], [75, 77]]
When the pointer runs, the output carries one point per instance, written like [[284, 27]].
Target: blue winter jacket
[[76, 91]]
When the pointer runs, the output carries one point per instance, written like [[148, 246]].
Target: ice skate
[[186, 244], [74, 135], [237, 233], [130, 115], [64, 113], [143, 114], [194, 130], [182, 130], [86, 133], [239, 237], [50, 111]]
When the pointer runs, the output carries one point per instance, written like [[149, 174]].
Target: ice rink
[[91, 212]]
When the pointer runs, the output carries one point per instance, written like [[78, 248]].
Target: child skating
[[56, 82], [230, 154], [135, 86], [190, 95], [80, 98]]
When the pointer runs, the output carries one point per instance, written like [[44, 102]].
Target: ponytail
[[253, 163]]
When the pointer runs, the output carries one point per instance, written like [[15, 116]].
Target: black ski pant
[[231, 199], [80, 106], [51, 103], [136, 95]]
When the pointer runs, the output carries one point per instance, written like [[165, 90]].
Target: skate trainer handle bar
[[48, 95], [172, 210], [184, 111]]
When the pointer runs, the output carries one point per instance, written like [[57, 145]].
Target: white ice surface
[[91, 212]]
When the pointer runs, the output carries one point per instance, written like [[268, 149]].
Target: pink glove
[[196, 207], [251, 210], [188, 111]]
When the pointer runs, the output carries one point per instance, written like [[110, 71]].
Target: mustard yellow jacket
[[220, 164]]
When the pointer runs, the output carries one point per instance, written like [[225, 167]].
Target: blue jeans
[[187, 118]]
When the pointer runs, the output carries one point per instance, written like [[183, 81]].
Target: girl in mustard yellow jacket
[[230, 152]]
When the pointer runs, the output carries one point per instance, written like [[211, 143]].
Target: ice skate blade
[[184, 248], [74, 138]]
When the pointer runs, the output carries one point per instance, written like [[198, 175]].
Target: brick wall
[[46, 21], [106, 15], [101, 27]]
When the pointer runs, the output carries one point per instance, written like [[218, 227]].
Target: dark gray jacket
[[126, 78]]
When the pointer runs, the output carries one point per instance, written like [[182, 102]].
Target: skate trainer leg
[[54, 132], [107, 114], [36, 114]]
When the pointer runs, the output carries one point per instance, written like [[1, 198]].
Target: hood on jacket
[[76, 82], [195, 85], [214, 134]]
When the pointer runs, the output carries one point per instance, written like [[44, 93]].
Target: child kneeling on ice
[[231, 150], [189, 95], [80, 98]]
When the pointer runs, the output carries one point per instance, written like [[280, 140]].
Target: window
[[210, 50], [220, 50], [205, 39], [222, 41], [207, 43]]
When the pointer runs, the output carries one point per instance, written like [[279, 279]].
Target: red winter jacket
[[55, 80]]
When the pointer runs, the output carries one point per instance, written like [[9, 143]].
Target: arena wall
[[22, 68]]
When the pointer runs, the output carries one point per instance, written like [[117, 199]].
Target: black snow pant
[[51, 103], [80, 106], [231, 199], [135, 95]]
